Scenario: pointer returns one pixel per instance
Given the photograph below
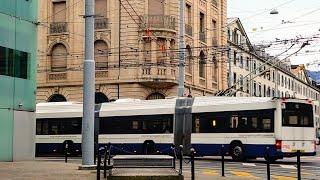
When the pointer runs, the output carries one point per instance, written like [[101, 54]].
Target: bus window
[[297, 115], [149, 124]]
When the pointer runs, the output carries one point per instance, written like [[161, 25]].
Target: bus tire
[[237, 151], [70, 147]]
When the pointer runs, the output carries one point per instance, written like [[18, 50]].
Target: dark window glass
[[297, 115], [152, 124], [234, 122], [14, 63], [58, 126], [3, 61]]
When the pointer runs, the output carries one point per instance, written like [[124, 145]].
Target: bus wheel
[[149, 147], [237, 151], [70, 145]]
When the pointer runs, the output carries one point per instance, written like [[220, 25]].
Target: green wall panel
[[6, 134], [7, 31], [27, 9], [6, 92], [24, 89], [8, 7], [18, 32]]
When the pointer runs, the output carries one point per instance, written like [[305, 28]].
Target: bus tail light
[[278, 144], [315, 145]]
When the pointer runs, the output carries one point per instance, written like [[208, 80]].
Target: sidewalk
[[43, 170], [57, 170]]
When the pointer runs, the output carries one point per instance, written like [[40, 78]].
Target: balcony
[[158, 76], [101, 23], [158, 22], [58, 27], [188, 28], [202, 37]]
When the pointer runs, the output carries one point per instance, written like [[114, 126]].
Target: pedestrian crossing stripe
[[303, 173], [248, 164], [284, 177], [288, 166], [243, 174], [210, 172]]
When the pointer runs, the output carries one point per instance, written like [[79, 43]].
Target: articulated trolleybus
[[246, 126]]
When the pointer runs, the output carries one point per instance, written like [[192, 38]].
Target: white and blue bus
[[246, 126]]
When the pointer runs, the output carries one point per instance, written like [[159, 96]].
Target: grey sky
[[301, 17]]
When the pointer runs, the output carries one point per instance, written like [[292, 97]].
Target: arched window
[[99, 98], [202, 63], [155, 96], [101, 53], [59, 58], [57, 98], [189, 60], [156, 7]]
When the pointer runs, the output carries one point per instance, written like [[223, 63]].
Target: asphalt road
[[210, 168], [285, 169]]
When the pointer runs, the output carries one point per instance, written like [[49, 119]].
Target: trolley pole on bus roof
[[181, 50], [88, 87]]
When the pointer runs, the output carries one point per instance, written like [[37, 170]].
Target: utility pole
[[88, 87], [181, 50]]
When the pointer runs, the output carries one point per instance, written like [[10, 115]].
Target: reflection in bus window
[[234, 122]]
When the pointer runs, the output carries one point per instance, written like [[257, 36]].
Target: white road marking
[[249, 164], [288, 166]]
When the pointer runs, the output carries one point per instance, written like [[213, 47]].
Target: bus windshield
[[297, 115]]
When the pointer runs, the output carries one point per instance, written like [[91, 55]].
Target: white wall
[[24, 136]]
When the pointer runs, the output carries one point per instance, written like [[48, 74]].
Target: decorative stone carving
[[57, 76]]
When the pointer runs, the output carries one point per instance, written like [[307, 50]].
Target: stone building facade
[[270, 77], [136, 49]]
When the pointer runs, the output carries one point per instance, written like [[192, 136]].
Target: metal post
[[222, 160], [298, 165], [268, 164], [66, 153], [88, 87], [181, 49], [181, 158], [99, 165], [174, 156], [109, 153], [192, 151], [106, 151]]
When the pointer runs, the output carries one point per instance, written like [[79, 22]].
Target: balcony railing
[[158, 21], [101, 23], [202, 37], [188, 29], [58, 27]]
